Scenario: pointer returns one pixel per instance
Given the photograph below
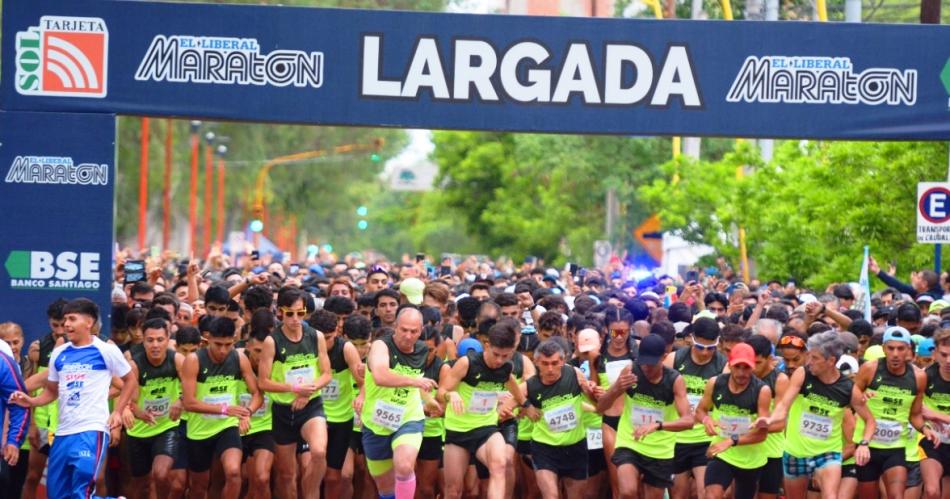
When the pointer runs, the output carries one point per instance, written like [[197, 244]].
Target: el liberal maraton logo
[[64, 271]]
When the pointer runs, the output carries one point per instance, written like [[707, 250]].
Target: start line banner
[[479, 72]]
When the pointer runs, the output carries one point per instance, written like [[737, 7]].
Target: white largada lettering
[[627, 75], [225, 61], [821, 80]]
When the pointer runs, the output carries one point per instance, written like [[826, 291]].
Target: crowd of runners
[[247, 377]]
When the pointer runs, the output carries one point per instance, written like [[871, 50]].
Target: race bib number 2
[[300, 376], [483, 402], [595, 439], [734, 425]]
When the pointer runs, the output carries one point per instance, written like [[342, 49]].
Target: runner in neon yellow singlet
[[894, 393], [392, 407], [210, 386], [816, 410], [730, 404], [471, 391], [152, 421]]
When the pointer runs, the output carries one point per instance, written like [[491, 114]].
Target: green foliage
[[810, 211], [528, 194]]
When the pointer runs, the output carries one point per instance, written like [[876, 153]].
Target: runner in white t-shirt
[[80, 373]]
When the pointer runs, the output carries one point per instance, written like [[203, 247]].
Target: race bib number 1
[[388, 415], [218, 400]]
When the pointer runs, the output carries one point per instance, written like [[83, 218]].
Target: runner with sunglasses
[[620, 354], [294, 368], [696, 364], [817, 405], [792, 348]]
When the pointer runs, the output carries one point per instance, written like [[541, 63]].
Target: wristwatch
[[735, 440], [659, 425], [863, 442]]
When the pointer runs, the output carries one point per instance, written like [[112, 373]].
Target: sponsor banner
[[489, 72], [56, 196]]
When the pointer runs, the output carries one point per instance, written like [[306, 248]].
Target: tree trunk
[[930, 11]]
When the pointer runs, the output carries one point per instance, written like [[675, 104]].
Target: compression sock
[[406, 487]]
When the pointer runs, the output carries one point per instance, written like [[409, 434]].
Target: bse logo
[[63, 56], [65, 271]]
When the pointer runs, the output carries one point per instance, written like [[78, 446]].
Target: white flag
[[866, 287]]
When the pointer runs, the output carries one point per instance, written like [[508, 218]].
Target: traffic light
[[362, 211], [362, 225]]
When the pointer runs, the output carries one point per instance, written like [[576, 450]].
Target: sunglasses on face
[[618, 332], [702, 347], [293, 313]]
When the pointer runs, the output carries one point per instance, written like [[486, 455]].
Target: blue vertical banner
[[57, 189]]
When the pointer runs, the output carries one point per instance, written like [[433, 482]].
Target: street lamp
[[193, 189], [219, 229], [209, 188]]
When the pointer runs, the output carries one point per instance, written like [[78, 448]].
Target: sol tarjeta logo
[[63, 56], [67, 270]]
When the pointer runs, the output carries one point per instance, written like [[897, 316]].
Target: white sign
[[602, 251], [933, 212]]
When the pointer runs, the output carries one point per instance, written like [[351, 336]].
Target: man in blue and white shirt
[[80, 373]]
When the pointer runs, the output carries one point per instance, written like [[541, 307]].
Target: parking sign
[[933, 212]]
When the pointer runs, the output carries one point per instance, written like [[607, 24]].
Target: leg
[[285, 460], [895, 479], [931, 470], [651, 492], [455, 462], [34, 473], [493, 455], [829, 480], [699, 479], [314, 432], [510, 476], [161, 469], [346, 476], [575, 488], [231, 465], [404, 464], [87, 456], [848, 488], [547, 483], [796, 488], [428, 473], [628, 481], [610, 442], [260, 471]]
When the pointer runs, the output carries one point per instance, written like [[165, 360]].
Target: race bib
[[887, 432], [300, 376], [640, 415], [217, 400], [614, 368], [693, 399], [483, 402], [561, 419], [388, 415], [331, 392], [245, 400], [943, 430], [733, 425], [595, 439], [815, 426], [157, 407]]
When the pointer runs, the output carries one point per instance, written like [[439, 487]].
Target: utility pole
[[930, 11]]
